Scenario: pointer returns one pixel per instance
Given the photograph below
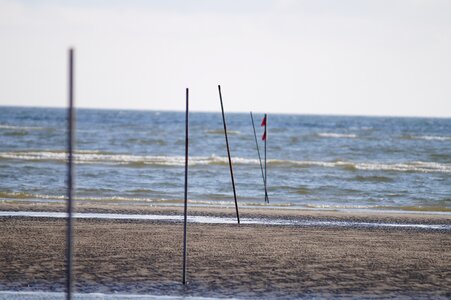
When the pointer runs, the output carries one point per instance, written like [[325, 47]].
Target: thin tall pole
[[259, 157], [70, 178], [266, 177], [186, 186], [228, 153]]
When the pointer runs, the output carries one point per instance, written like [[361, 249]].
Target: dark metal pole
[[266, 177], [186, 186], [259, 157], [228, 153], [70, 178]]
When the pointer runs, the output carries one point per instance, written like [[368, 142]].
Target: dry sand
[[253, 261]]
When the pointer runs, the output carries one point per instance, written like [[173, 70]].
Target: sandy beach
[[246, 261]]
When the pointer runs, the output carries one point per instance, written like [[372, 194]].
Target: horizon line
[[231, 111]]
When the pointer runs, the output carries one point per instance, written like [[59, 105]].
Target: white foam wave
[[337, 135], [93, 157], [434, 138], [221, 132], [96, 157], [419, 166], [4, 126], [20, 195]]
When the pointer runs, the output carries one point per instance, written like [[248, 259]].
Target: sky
[[349, 57]]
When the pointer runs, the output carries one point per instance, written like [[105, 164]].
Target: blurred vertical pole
[[70, 177], [228, 153], [258, 152], [186, 185]]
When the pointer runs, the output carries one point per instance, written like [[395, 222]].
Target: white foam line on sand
[[224, 220]]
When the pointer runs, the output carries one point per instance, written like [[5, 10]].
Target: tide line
[[227, 220]]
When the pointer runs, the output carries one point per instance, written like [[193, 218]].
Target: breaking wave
[[22, 195], [13, 127], [97, 157], [41, 198], [11, 196], [427, 137], [435, 138], [221, 132], [380, 207], [418, 166], [337, 135]]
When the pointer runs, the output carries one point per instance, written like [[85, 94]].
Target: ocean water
[[313, 162]]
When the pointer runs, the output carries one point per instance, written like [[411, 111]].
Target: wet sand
[[246, 261]]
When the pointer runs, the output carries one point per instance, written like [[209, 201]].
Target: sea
[[317, 162]]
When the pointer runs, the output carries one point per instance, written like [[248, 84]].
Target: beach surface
[[229, 260]]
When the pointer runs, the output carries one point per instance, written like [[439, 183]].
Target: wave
[[418, 166], [16, 133], [336, 135], [380, 207], [427, 137], [124, 199], [425, 167], [24, 196], [13, 127], [373, 178], [140, 141], [96, 157], [435, 138], [86, 156], [221, 132], [303, 191], [30, 196]]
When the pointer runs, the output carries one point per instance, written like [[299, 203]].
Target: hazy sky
[[325, 57]]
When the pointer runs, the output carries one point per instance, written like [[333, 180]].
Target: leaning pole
[[266, 177], [228, 154], [259, 156]]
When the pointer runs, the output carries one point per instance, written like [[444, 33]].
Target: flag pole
[[70, 178], [258, 151], [228, 153], [186, 186], [266, 177]]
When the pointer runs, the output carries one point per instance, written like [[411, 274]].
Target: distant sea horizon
[[131, 157], [233, 111]]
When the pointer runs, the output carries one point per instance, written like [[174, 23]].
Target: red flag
[[264, 121], [264, 136]]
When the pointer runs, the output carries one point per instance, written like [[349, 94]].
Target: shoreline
[[272, 213], [210, 220], [200, 203]]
